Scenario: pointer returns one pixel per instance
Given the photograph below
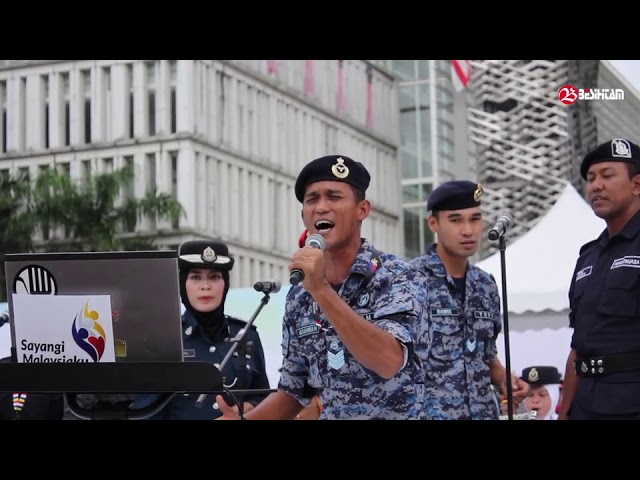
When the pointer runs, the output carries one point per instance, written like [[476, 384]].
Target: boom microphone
[[314, 240]]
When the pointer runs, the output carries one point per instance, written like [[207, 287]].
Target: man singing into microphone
[[354, 325], [464, 308]]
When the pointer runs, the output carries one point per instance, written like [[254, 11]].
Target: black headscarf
[[205, 255]]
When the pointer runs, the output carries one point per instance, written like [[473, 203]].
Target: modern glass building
[[507, 130], [434, 144]]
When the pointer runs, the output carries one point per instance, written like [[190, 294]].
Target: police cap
[[455, 195], [336, 168], [616, 150], [204, 254], [543, 375]]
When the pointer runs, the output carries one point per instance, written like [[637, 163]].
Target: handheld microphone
[[272, 286], [314, 240], [4, 318], [504, 223]]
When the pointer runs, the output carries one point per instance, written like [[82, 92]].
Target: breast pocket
[[485, 335], [447, 338], [620, 296]]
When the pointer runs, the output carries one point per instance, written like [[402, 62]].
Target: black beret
[[455, 195], [544, 375], [204, 254], [616, 150], [336, 168]]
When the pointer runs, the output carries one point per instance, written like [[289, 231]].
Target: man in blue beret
[[464, 308], [354, 326], [602, 376]]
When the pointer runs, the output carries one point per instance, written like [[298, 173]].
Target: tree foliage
[[98, 213]]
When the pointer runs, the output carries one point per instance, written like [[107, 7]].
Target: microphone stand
[[236, 341], [505, 315]]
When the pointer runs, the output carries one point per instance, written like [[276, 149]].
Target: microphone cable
[[235, 399]]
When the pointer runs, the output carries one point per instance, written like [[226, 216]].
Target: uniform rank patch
[[631, 261], [335, 356], [307, 330], [471, 344], [585, 272], [483, 314]]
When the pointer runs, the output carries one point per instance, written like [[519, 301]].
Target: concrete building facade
[[227, 138]]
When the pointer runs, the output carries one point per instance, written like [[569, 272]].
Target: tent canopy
[[539, 265]]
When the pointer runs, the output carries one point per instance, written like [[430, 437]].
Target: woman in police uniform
[[204, 268]]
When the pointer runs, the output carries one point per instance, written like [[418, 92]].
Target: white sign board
[[63, 328]]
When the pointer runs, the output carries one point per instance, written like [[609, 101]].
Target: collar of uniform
[[188, 320], [362, 263], [632, 228], [432, 261]]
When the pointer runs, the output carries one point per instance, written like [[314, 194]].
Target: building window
[[416, 232], [86, 169], [67, 116], [86, 82]]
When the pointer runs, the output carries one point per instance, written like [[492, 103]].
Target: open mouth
[[324, 226]]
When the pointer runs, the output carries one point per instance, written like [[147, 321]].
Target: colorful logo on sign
[[88, 333]]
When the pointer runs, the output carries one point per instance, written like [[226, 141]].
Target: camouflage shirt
[[384, 290], [464, 342]]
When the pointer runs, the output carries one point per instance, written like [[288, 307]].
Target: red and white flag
[[460, 74], [272, 67]]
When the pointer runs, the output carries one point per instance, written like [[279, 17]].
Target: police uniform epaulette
[[584, 247], [240, 322]]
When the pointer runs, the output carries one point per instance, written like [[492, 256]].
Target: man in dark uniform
[[602, 377], [204, 268], [464, 308]]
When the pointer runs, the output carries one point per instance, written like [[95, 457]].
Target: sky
[[630, 69]]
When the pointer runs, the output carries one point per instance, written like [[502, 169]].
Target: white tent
[[539, 266]]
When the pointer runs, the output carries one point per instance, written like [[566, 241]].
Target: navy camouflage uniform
[[387, 292], [464, 342], [383, 289], [604, 301], [465, 328]]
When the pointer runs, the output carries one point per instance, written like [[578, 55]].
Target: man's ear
[[636, 185], [364, 209], [432, 221]]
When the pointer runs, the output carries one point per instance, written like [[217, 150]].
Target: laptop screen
[[142, 285]]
